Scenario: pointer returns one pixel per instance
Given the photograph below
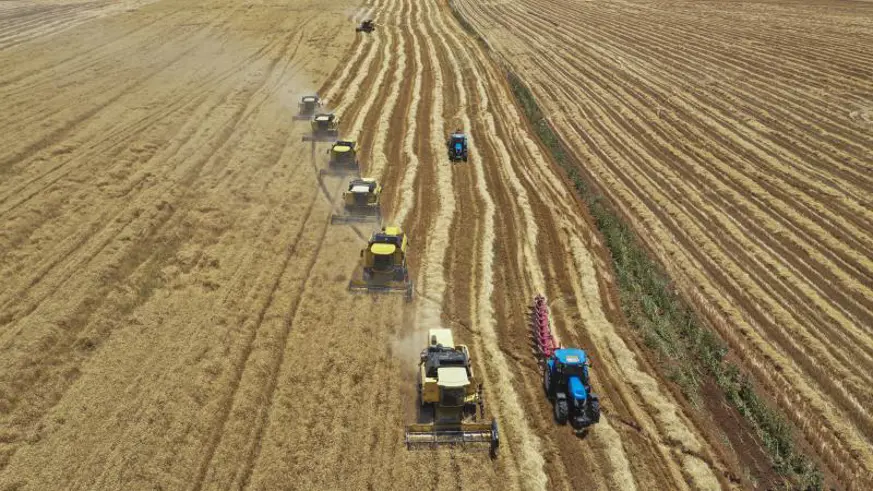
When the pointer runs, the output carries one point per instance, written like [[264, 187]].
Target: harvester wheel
[[481, 402], [561, 411], [495, 440], [594, 408]]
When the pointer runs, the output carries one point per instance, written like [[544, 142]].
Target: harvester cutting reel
[[407, 289], [469, 436]]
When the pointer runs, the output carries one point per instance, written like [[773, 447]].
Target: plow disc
[[467, 435], [541, 328]]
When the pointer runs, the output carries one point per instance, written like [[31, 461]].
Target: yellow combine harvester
[[343, 159], [452, 407], [385, 264], [325, 127], [361, 203]]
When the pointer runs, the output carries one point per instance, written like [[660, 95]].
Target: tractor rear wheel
[[561, 411], [594, 408]]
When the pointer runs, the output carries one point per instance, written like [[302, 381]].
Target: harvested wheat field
[[738, 140], [174, 311]]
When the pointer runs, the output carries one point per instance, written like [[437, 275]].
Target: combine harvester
[[361, 202], [307, 107], [450, 399], [325, 128], [565, 374], [385, 268], [343, 159]]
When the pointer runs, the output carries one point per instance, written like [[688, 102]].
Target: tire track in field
[[210, 470], [432, 284], [529, 152], [379, 159], [796, 265], [407, 198], [617, 452], [530, 460], [168, 211], [118, 136], [351, 67], [56, 260]]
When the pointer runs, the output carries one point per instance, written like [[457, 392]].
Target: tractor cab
[[366, 26], [572, 364], [457, 146]]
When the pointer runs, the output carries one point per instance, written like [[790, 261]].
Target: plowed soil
[[736, 138], [174, 311]]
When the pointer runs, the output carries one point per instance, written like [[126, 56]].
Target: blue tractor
[[457, 146], [565, 379]]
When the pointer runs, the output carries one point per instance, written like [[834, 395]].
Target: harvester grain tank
[[384, 269], [565, 374], [450, 399], [307, 106], [325, 127], [361, 202]]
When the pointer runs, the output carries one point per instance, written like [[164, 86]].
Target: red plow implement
[[544, 342]]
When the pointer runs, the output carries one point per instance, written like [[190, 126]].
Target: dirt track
[[174, 306], [738, 138]]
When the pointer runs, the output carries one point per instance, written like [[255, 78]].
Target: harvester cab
[[565, 379], [385, 264], [307, 106], [324, 127], [457, 146], [449, 393], [366, 26], [361, 202]]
